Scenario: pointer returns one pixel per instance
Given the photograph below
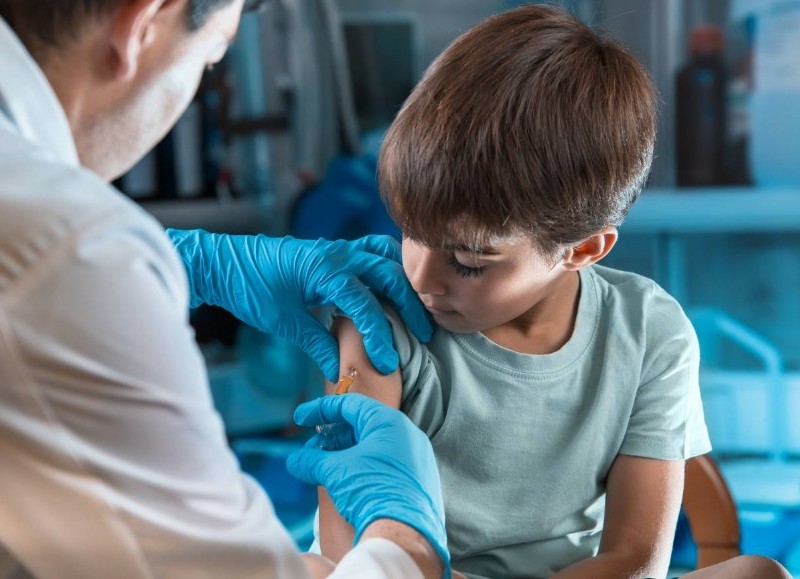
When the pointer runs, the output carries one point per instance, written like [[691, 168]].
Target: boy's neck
[[547, 326]]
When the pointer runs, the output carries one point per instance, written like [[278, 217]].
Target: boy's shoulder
[[626, 280], [629, 286], [634, 296]]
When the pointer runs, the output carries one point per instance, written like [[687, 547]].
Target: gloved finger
[[324, 410], [359, 304], [177, 235], [388, 281], [188, 244], [355, 409], [308, 464], [312, 337], [382, 245]]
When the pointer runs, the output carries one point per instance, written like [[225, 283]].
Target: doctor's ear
[[134, 28], [591, 251]]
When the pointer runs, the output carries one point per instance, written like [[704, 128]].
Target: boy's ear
[[592, 250]]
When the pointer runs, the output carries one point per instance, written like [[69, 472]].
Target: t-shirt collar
[[505, 360]]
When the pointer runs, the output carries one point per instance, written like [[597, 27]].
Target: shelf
[[658, 211], [715, 210], [234, 216]]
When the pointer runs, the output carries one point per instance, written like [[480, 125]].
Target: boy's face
[[469, 291]]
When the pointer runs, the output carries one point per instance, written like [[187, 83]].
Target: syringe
[[328, 432]]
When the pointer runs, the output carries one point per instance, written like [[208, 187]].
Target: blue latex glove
[[270, 283], [389, 473]]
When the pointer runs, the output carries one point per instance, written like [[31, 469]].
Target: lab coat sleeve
[[114, 462], [377, 559]]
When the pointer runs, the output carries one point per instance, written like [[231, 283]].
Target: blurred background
[[283, 135]]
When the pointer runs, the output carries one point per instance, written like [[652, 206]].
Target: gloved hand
[[390, 472], [270, 282]]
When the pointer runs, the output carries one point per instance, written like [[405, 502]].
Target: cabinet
[[671, 211], [737, 249], [692, 232], [669, 215]]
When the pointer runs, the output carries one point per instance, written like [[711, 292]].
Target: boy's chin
[[455, 324]]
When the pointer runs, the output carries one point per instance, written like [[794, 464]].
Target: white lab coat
[[113, 462]]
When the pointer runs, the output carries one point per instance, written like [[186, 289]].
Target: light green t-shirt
[[524, 442]]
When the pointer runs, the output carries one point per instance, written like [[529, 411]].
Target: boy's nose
[[425, 275]]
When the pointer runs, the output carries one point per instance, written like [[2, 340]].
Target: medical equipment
[[346, 381], [328, 433]]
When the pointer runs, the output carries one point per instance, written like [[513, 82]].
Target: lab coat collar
[[29, 102]]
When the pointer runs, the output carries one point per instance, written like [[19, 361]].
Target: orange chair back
[[712, 515]]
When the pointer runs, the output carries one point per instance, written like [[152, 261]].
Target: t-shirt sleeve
[[422, 399], [667, 420], [410, 352]]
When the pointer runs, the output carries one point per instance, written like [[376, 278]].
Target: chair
[[711, 512]]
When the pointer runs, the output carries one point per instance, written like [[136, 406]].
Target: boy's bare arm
[[335, 534], [317, 566], [642, 504]]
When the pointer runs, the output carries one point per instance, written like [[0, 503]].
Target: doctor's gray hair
[[44, 24]]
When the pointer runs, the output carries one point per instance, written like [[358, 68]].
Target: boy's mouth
[[437, 310]]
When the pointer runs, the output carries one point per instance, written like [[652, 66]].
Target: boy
[[561, 397]]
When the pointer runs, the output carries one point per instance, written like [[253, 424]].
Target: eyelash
[[463, 270]]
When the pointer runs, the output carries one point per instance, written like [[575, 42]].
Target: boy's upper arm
[[370, 382], [642, 503], [667, 420]]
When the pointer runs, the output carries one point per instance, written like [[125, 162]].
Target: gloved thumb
[[382, 245], [355, 409], [188, 246], [308, 464]]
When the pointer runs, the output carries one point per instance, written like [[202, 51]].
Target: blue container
[[775, 102]]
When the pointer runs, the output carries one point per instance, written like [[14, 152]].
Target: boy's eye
[[464, 270]]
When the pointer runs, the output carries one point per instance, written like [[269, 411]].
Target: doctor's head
[[124, 70]]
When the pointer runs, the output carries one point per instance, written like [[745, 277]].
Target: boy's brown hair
[[530, 122]]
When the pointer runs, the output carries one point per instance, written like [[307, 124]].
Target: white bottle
[[775, 104]]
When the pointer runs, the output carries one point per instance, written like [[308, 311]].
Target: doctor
[[113, 462]]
